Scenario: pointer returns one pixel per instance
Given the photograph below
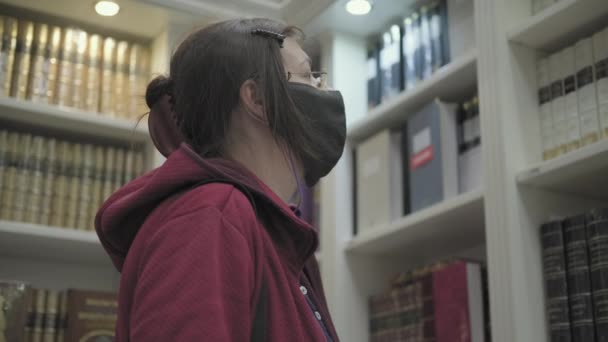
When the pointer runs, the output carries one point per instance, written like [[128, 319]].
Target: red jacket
[[192, 258]]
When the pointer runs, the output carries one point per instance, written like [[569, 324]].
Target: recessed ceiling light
[[358, 7], [107, 8]]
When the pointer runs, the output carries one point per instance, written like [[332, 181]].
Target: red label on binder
[[421, 158]]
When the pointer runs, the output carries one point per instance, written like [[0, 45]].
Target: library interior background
[[468, 205]]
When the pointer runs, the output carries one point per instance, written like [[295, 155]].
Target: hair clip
[[270, 34]]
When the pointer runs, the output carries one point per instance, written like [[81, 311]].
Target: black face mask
[[325, 108]]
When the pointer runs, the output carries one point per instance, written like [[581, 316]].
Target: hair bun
[[159, 86]]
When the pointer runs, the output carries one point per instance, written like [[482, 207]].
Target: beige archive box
[[379, 180], [7, 53]]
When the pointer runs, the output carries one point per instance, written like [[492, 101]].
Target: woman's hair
[[206, 74]]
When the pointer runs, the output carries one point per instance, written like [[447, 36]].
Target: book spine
[[143, 77], [3, 160], [60, 188], [7, 54], [108, 67], [24, 161], [48, 167], [547, 128], [93, 74], [83, 221], [75, 172], [30, 317], [39, 67], [586, 92], [410, 39], [600, 56], [50, 316], [121, 78], [79, 69], [579, 281], [97, 186], [35, 182], [556, 285], [425, 40], [23, 51], [119, 169], [571, 100], [437, 32], [109, 172], [558, 102], [9, 176], [372, 79], [597, 239], [40, 319], [65, 74], [139, 166], [54, 51], [62, 317], [418, 46]]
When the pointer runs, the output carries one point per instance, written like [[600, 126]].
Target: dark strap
[[258, 330]]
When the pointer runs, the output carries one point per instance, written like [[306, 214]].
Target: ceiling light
[[358, 7], [107, 8]]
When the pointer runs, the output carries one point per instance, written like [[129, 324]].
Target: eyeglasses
[[314, 78]]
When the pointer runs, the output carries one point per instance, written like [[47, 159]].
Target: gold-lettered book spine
[[119, 168], [74, 183], [93, 74], [141, 67], [39, 67], [80, 69], [10, 176], [129, 165], [85, 200], [106, 106], [55, 34], [35, 182], [63, 96], [63, 316], [109, 172], [49, 165], [7, 54], [139, 166], [58, 203], [121, 79], [24, 157], [23, 55], [31, 317], [51, 316], [97, 185]]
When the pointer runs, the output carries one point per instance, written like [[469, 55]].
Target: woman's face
[[298, 64]]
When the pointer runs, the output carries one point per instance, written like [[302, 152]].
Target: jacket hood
[[122, 215]]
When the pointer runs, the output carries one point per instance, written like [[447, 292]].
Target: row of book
[[70, 67], [411, 51], [443, 302], [573, 96], [59, 183], [45, 315], [434, 156], [539, 5], [574, 254]]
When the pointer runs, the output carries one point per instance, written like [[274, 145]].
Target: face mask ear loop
[[298, 183]]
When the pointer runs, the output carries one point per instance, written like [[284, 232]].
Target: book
[[119, 169], [579, 281], [418, 47], [600, 56], [571, 100], [39, 64], [106, 104], [62, 317], [9, 175], [121, 79], [558, 102], [79, 69], [390, 66], [470, 168], [35, 181], [74, 180], [22, 178], [85, 201], [49, 332], [93, 73], [55, 34], [30, 317], [139, 76], [109, 172], [432, 154], [373, 80], [439, 40], [426, 43], [127, 173], [379, 179], [65, 75], [15, 299], [97, 184], [410, 43], [586, 92], [7, 53], [597, 239], [556, 284], [90, 314], [139, 165], [23, 54], [48, 168], [547, 129], [60, 188], [39, 315]]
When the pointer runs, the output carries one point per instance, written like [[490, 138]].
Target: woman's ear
[[252, 101]]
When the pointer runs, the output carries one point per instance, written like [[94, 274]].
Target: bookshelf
[[427, 229], [450, 82]]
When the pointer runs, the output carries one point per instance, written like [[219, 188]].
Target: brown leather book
[[91, 316]]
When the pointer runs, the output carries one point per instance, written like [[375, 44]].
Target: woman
[[208, 248]]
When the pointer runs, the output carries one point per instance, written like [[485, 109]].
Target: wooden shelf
[[72, 121], [33, 241], [581, 172], [449, 83], [454, 224], [561, 24]]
